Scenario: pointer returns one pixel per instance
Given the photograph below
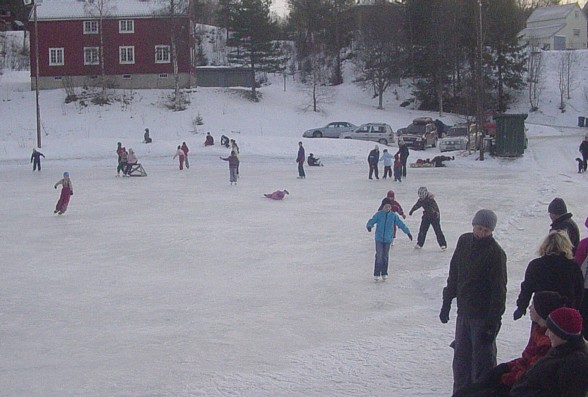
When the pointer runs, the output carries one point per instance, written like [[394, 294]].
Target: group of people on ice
[[393, 165], [555, 361], [126, 160]]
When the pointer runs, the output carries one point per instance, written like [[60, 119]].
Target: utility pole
[[480, 88], [35, 3]]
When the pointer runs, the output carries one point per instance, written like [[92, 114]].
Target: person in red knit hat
[[564, 370]]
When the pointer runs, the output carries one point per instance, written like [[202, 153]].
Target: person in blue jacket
[[385, 220]]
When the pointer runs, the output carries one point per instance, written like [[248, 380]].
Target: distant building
[[562, 27]]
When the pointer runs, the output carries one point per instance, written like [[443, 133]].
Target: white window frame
[[126, 26], [89, 51], [91, 27], [160, 52], [123, 55], [56, 56]]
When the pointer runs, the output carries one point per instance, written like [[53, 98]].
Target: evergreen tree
[[252, 35]]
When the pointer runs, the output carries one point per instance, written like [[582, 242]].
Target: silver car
[[331, 130], [377, 132], [458, 138]]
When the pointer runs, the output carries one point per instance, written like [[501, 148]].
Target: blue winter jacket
[[385, 222], [387, 159]]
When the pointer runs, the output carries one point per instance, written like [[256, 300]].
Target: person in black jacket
[[584, 151], [563, 371], [555, 270], [373, 159], [36, 159], [403, 152], [562, 220], [477, 278], [431, 217]]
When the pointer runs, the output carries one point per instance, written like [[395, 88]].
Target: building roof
[[74, 9], [552, 12], [541, 32]]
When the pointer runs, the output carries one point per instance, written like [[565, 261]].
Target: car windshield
[[458, 132], [416, 129]]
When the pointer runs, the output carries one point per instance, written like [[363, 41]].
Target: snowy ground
[[179, 284]]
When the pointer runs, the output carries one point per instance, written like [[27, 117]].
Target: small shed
[[222, 76], [510, 135]]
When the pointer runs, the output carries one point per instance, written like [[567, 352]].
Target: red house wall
[[148, 32]]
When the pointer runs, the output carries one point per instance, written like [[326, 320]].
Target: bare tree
[[535, 77], [571, 62], [315, 77], [561, 74]]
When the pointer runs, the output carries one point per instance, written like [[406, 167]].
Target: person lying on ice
[[277, 195]]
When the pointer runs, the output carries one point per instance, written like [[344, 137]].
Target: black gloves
[[489, 334], [444, 315], [369, 228], [410, 212], [520, 312], [409, 236]]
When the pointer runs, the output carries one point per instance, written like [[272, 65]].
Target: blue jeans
[[301, 173], [382, 253], [474, 355]]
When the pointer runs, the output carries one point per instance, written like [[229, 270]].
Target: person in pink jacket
[[66, 193], [185, 150], [182, 156], [277, 195], [581, 257]]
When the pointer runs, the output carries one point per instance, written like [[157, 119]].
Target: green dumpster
[[510, 135]]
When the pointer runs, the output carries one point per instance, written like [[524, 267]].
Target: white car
[[377, 132], [331, 130], [457, 138]]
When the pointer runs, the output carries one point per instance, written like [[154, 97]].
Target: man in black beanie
[[562, 220], [477, 278]]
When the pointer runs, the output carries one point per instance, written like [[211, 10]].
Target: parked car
[[331, 130], [458, 138], [421, 134], [377, 132]]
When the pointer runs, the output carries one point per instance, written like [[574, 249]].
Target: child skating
[[233, 166], [431, 217], [66, 193]]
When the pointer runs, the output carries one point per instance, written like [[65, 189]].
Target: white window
[[91, 56], [90, 27], [126, 26], [126, 54], [161, 54], [55, 56], [577, 32]]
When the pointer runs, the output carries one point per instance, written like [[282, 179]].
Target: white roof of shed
[[541, 32], [74, 9], [552, 12]]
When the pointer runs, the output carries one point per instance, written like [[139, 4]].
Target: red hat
[[390, 194], [565, 323]]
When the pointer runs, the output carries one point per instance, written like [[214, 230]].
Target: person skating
[[233, 166], [563, 371], [123, 161], [181, 156], [388, 161], [277, 195], [385, 221], [431, 217], [584, 150], [36, 159], [562, 220], [66, 193], [477, 278], [186, 151], [373, 159], [501, 378], [403, 153], [581, 259], [555, 270], [397, 169], [235, 148], [396, 207], [300, 160]]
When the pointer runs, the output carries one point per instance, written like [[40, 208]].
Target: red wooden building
[[137, 45]]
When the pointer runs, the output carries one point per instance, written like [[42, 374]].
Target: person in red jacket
[[581, 259], [185, 150], [396, 207], [504, 376]]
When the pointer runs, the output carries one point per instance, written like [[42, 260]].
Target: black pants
[[374, 170], [425, 223], [585, 159], [584, 313], [36, 164], [404, 160], [387, 171]]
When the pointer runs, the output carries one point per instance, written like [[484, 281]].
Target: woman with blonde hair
[[555, 270]]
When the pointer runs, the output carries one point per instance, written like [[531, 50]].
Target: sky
[[180, 284]]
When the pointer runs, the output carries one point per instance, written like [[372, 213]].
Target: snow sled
[[421, 165], [137, 170]]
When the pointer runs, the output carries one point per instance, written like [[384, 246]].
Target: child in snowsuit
[[123, 161], [185, 150], [66, 192], [396, 207], [397, 168], [431, 217], [373, 159], [36, 159], [235, 148], [277, 195], [225, 141], [209, 141], [233, 166], [384, 220], [181, 155], [314, 161], [131, 160], [387, 159]]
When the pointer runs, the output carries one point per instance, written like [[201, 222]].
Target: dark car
[[419, 135]]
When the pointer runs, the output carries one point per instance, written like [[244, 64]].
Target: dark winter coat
[[563, 372], [584, 148], [233, 161], [301, 156], [403, 151], [477, 278], [552, 273], [185, 149], [565, 222], [430, 207], [36, 156], [373, 157]]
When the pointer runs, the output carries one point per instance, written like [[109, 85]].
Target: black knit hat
[[557, 206], [545, 302], [386, 201]]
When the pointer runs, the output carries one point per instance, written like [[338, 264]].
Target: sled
[[137, 170], [421, 165]]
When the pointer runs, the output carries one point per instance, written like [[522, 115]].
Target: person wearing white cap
[[477, 278], [66, 193]]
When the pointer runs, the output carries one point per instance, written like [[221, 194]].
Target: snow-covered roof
[[552, 12], [72, 9], [541, 32]]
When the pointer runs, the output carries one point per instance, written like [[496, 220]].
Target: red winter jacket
[[185, 149]]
